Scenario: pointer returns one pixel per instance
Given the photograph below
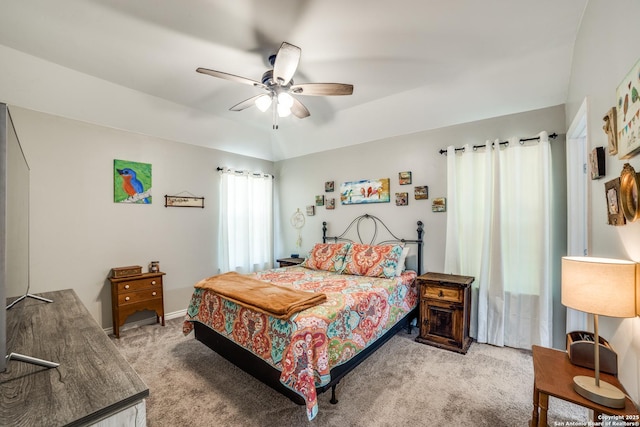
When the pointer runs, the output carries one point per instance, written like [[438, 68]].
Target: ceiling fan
[[279, 86]]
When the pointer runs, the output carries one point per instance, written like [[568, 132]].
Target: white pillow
[[401, 261]]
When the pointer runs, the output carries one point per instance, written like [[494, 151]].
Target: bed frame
[[364, 225]]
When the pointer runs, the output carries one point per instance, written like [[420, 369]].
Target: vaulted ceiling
[[415, 65]]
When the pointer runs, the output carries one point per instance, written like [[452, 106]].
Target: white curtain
[[499, 231], [246, 221]]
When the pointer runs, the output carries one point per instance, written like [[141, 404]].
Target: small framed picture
[[402, 199], [311, 210], [421, 193], [596, 159], [439, 205], [614, 210], [404, 178], [329, 186], [320, 200], [331, 203]]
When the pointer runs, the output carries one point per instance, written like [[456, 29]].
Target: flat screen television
[[14, 231]]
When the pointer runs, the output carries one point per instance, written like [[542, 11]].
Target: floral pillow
[[373, 260], [327, 257]]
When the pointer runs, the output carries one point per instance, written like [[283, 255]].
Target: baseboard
[[148, 321]]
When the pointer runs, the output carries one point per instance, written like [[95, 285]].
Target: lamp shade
[[602, 286]]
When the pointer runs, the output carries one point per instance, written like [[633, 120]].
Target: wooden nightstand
[[445, 311], [136, 293], [288, 262]]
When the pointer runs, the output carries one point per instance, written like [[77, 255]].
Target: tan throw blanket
[[267, 298]]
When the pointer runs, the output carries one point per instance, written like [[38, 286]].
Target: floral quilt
[[305, 347]]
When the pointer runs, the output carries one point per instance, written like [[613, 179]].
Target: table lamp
[[599, 286]]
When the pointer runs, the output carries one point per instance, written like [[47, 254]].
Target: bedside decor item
[[154, 267], [328, 187], [132, 270], [630, 193], [580, 349], [612, 194], [131, 182], [421, 192], [628, 114], [439, 205], [404, 178], [596, 159], [365, 191], [610, 128], [602, 287]]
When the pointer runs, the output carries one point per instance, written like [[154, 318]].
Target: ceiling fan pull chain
[[275, 112]]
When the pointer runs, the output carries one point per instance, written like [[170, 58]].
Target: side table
[[553, 376], [136, 293]]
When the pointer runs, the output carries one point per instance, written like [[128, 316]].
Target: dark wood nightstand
[[136, 293], [288, 262], [445, 311]]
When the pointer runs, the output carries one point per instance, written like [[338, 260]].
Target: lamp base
[[605, 394]]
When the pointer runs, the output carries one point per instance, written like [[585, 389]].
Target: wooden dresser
[[445, 311], [136, 293], [94, 383]]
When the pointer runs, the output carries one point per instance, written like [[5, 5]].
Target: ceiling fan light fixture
[[285, 99], [263, 103], [283, 110]]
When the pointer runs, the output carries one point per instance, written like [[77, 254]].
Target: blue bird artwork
[[132, 182]]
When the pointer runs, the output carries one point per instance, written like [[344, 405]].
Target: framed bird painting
[[628, 114], [131, 182]]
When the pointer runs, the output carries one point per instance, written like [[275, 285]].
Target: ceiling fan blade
[[231, 77], [322, 89], [299, 110], [286, 63], [247, 103]]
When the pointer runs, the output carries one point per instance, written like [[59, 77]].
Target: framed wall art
[[330, 203], [609, 127], [404, 178], [629, 192], [402, 199], [320, 200], [328, 186], [612, 194], [421, 192], [439, 204], [628, 114], [311, 210], [131, 182], [365, 191], [183, 202], [596, 158]]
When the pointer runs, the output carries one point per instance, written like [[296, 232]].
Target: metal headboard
[[378, 224]]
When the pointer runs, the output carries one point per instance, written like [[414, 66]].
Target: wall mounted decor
[[421, 192], [629, 190], [610, 128], [365, 191], [320, 200], [131, 182], [328, 186], [404, 178], [612, 193], [331, 203], [402, 199], [183, 201], [439, 205], [597, 161], [628, 114], [311, 210]]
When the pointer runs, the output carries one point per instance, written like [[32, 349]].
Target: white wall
[[300, 179], [606, 48], [77, 232]]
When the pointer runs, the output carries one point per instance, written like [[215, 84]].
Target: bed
[[368, 293]]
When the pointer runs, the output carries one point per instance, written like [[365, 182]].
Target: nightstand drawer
[[136, 285], [144, 295], [443, 293]]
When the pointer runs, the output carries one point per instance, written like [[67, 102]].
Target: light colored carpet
[[403, 383]]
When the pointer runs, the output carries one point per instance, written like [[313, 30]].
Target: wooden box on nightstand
[[445, 311], [288, 262], [136, 293]]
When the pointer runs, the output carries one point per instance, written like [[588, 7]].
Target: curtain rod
[[475, 147], [219, 169]]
